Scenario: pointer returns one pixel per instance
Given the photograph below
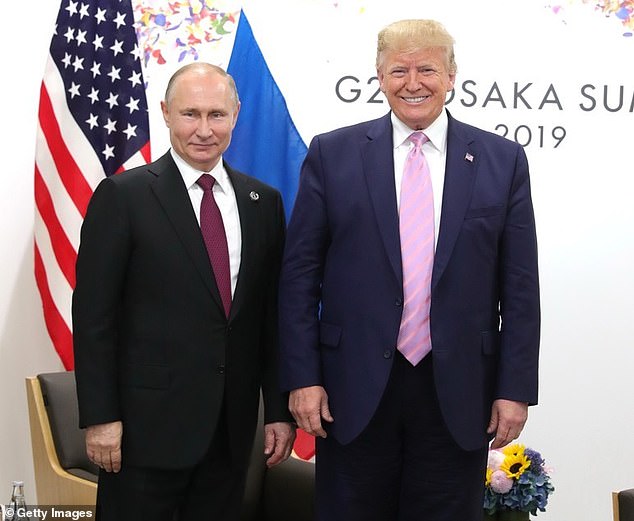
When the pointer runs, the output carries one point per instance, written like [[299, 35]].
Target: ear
[[452, 81], [381, 78], [235, 115], [165, 111]]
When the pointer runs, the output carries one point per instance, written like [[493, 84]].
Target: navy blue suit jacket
[[341, 288]]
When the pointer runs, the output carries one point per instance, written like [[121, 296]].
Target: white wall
[[24, 345], [582, 193]]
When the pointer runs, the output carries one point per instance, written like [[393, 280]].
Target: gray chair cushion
[[626, 505], [60, 399], [282, 493], [289, 492]]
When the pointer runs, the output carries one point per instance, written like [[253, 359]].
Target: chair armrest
[[623, 505]]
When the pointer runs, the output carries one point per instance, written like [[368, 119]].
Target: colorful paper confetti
[[623, 10], [174, 31]]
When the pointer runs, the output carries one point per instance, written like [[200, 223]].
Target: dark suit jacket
[[341, 289], [153, 347]]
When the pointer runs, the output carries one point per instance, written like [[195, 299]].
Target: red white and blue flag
[[93, 122]]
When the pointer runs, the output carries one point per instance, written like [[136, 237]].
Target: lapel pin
[[468, 157], [254, 196]]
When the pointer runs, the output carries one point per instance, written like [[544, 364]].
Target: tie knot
[[206, 181], [418, 138]]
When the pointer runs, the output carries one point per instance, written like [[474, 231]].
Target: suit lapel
[[378, 166], [460, 173], [169, 189]]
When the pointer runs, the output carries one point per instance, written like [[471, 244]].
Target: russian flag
[[265, 142]]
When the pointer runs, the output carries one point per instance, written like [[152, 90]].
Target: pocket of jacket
[[329, 334]]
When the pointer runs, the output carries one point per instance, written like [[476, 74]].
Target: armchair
[[623, 505], [63, 473], [65, 476]]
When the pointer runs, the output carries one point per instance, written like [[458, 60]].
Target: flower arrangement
[[516, 479]]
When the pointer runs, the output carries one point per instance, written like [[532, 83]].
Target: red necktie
[[213, 231], [416, 223]]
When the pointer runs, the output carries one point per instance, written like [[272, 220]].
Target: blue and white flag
[[265, 142]]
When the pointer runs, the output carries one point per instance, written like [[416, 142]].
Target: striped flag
[[265, 142], [93, 123]]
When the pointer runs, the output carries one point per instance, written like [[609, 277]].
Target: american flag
[[93, 122]]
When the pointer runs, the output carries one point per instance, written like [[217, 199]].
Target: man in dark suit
[[409, 299], [172, 345]]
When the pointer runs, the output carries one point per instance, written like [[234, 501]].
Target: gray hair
[[202, 67]]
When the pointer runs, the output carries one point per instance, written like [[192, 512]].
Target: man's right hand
[[309, 405], [103, 445]]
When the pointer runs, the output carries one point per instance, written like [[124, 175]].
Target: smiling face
[[200, 111], [416, 83]]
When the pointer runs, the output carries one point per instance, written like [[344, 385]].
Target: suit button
[[398, 302], [221, 369], [387, 353]]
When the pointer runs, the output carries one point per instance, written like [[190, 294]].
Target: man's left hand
[[507, 421], [278, 442]]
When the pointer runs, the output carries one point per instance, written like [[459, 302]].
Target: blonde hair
[[412, 35]]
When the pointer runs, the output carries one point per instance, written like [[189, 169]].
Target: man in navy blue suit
[[399, 437]]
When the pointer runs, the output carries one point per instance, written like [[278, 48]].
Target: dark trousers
[[211, 491], [405, 466]]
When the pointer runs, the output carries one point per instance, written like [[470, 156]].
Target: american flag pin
[[468, 157], [254, 196]]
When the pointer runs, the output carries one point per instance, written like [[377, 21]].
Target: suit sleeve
[[275, 402], [101, 267], [302, 272], [519, 294]]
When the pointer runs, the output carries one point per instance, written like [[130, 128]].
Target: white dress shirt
[[435, 151], [225, 198]]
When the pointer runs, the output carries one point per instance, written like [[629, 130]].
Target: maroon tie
[[213, 231]]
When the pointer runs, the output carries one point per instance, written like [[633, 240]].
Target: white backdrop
[[557, 78]]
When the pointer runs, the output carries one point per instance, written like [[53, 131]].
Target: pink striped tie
[[416, 217]]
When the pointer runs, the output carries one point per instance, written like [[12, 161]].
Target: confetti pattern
[[174, 31], [623, 10]]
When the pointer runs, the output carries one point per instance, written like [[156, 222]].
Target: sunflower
[[517, 449], [515, 464]]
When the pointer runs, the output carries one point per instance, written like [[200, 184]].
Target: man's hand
[[278, 442], [309, 405], [103, 445], [507, 421]]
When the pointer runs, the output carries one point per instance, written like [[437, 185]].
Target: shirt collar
[[190, 174], [436, 132]]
